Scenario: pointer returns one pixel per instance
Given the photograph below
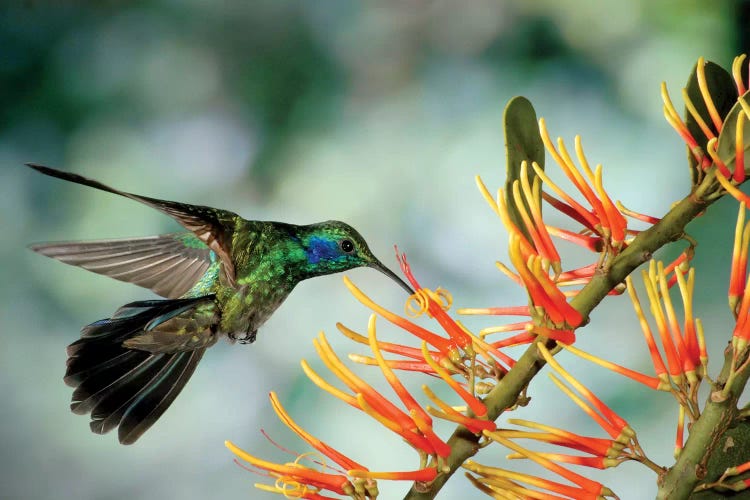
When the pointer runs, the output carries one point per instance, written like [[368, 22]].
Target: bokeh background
[[376, 113]]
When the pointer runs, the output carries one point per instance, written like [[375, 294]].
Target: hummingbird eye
[[346, 246]]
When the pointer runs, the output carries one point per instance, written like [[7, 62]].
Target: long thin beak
[[380, 267]]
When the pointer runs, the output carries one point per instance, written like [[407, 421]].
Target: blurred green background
[[375, 113]]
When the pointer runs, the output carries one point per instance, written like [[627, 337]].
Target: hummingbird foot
[[244, 338]]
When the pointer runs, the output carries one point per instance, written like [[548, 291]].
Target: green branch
[[720, 412], [504, 395]]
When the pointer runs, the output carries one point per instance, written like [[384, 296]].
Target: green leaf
[[722, 89], [522, 143], [733, 450], [726, 146]]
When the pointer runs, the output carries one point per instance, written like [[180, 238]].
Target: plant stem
[[719, 413], [504, 395]]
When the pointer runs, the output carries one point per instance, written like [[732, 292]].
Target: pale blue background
[[376, 113]]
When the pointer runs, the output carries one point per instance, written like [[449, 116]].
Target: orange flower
[[433, 308], [607, 419], [459, 353], [683, 344], [587, 488], [711, 132], [297, 480], [604, 218], [739, 291], [412, 425], [445, 346], [498, 483]]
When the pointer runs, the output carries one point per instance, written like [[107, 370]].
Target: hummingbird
[[222, 277]]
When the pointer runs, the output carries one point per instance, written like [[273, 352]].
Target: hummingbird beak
[[380, 267]]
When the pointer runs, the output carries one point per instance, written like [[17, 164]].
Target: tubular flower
[[445, 346], [683, 343], [739, 298], [585, 488], [604, 218], [502, 484], [599, 453], [533, 254], [414, 425], [541, 245], [298, 480], [739, 292], [549, 312], [606, 449], [432, 303], [723, 485], [295, 480], [712, 131], [456, 352], [613, 424]]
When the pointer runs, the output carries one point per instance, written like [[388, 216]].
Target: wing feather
[[169, 264], [212, 226]]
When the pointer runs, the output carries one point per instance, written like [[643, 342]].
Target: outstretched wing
[[169, 264], [212, 226]]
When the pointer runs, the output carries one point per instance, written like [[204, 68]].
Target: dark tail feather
[[126, 387]]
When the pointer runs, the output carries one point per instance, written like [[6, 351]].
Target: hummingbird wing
[[212, 226], [169, 264]]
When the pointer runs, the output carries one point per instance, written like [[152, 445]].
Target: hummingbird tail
[[124, 387]]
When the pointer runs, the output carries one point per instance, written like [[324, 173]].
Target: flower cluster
[[599, 453], [475, 369], [721, 145], [603, 230], [457, 352]]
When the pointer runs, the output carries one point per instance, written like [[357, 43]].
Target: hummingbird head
[[334, 246]]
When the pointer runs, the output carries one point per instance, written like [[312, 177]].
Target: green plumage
[[224, 277]]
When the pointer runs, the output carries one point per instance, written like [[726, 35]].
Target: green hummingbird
[[223, 277]]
